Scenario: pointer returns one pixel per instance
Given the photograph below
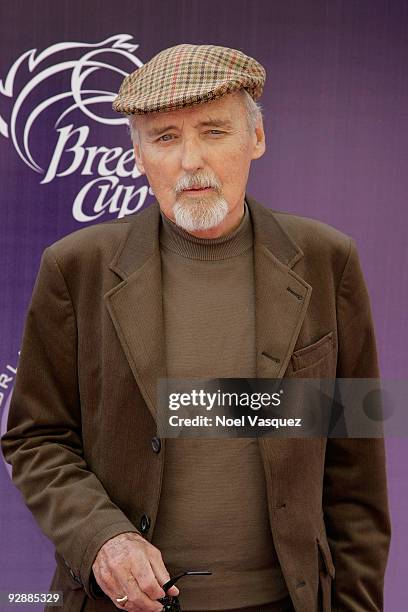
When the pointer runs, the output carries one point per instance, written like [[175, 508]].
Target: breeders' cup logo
[[59, 99]]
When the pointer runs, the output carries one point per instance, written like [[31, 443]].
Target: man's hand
[[129, 565]]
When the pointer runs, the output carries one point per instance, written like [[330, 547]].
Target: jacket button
[[156, 444], [144, 523]]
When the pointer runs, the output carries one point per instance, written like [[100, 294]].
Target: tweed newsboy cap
[[186, 75]]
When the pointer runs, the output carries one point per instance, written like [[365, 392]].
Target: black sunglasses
[[171, 603]]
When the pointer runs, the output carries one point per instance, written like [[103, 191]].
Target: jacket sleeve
[[43, 442], [355, 500]]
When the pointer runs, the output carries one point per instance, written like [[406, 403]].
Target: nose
[[191, 155]]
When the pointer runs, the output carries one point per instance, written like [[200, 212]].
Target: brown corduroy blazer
[[82, 415]]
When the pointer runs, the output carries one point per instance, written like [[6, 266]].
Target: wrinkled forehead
[[225, 110]]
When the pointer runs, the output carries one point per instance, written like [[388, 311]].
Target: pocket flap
[[308, 355]]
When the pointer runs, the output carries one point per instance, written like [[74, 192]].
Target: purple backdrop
[[336, 117]]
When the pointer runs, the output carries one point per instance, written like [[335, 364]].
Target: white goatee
[[200, 213], [204, 211]]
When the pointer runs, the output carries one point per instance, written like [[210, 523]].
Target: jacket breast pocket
[[316, 360]]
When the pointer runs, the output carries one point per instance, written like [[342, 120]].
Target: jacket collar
[[135, 304], [143, 238]]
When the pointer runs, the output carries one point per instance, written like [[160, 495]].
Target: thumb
[[173, 591]]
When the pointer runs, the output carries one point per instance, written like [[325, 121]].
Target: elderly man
[[205, 282]]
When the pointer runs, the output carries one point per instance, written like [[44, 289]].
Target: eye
[[165, 137], [216, 132]]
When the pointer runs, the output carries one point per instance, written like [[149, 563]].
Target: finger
[[138, 599], [116, 588], [146, 579], [174, 591], [161, 573], [108, 582]]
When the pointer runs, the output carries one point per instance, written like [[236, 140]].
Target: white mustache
[[196, 182]]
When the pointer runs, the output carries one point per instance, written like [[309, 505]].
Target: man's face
[[197, 162]]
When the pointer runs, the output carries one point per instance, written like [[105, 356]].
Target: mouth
[[197, 189]]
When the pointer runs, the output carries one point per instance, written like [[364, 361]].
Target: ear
[[258, 140], [138, 158]]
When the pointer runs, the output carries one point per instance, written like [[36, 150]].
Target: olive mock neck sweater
[[213, 508]]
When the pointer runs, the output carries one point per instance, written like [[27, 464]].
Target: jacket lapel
[[281, 296], [135, 304]]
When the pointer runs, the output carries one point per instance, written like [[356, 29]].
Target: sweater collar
[[183, 243]]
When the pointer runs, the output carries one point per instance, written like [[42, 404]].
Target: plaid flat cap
[[186, 75]]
